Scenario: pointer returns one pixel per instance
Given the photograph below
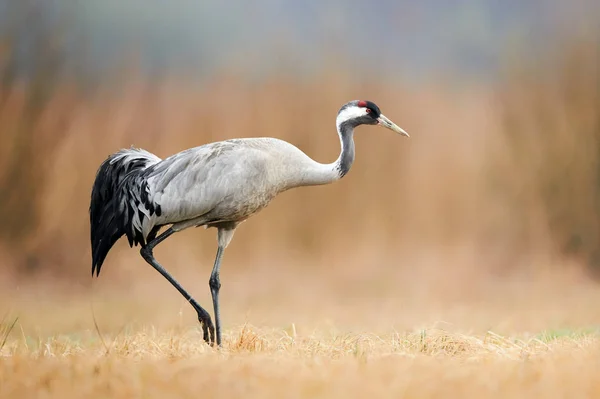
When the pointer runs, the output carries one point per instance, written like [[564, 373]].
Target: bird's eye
[[368, 110]]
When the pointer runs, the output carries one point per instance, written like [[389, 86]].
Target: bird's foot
[[208, 329]]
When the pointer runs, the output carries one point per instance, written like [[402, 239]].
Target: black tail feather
[[110, 214]]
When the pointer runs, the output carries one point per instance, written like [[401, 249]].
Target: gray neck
[[346, 158], [319, 173]]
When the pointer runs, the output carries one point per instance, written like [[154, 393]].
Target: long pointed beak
[[385, 122]]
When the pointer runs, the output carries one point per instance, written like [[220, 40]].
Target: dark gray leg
[[215, 286], [224, 236], [203, 315]]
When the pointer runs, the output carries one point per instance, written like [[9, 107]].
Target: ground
[[520, 339], [429, 363]]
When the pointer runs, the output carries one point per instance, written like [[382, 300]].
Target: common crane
[[219, 184]]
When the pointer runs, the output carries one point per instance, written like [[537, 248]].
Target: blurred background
[[500, 178]]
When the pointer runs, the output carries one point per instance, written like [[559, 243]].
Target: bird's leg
[[225, 234], [203, 315], [215, 286]]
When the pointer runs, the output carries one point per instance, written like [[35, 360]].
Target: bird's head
[[360, 112]]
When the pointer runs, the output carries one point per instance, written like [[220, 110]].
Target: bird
[[215, 185]]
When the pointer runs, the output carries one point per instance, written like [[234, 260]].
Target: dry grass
[[531, 336], [262, 363]]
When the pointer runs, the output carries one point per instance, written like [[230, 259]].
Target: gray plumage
[[219, 184]]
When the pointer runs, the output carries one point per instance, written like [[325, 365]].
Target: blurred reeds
[[499, 171]]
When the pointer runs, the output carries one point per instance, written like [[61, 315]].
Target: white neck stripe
[[348, 113]]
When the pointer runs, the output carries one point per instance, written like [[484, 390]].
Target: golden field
[[513, 338], [441, 366]]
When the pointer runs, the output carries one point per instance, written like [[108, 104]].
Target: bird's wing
[[195, 182]]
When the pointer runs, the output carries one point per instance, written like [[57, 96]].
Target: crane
[[219, 185]]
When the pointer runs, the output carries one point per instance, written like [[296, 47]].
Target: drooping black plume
[[118, 188]]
